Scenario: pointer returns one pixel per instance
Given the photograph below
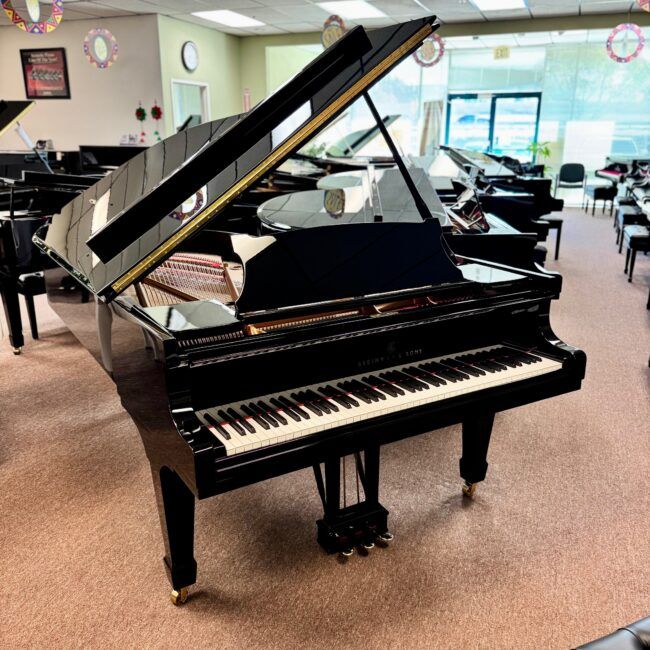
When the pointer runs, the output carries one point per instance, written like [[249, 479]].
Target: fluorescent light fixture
[[228, 18], [499, 5], [352, 9]]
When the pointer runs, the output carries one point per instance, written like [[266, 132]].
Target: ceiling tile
[[498, 39], [97, 10], [303, 12], [605, 7], [136, 6], [507, 15]]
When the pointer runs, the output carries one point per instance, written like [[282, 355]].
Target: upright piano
[[307, 348]]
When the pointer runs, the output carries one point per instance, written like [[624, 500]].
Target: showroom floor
[[552, 552]]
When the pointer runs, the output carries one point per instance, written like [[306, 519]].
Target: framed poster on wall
[[45, 73]]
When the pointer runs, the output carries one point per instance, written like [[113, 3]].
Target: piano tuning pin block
[[179, 597], [469, 489]]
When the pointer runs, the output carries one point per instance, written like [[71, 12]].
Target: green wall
[[219, 66], [253, 59]]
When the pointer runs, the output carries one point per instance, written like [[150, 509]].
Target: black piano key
[[388, 377], [477, 363], [263, 414], [525, 357], [378, 395], [445, 372], [335, 395], [384, 385], [217, 426], [423, 376], [361, 391], [460, 365], [345, 385], [486, 358], [301, 398], [404, 378], [259, 420], [272, 412], [343, 394], [292, 405], [241, 420], [322, 402], [228, 420], [276, 402]]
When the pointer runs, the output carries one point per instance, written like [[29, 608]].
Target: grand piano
[[307, 348], [521, 200]]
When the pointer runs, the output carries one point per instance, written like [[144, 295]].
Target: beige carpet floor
[[554, 550]]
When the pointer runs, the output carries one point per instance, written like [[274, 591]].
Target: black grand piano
[[298, 349], [522, 200]]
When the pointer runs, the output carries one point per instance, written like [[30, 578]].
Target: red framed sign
[[45, 73]]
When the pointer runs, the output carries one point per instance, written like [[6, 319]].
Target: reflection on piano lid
[[367, 196], [122, 226]]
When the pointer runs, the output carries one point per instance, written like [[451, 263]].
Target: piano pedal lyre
[[179, 597], [357, 527]]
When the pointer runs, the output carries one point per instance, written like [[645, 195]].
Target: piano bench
[[635, 636], [627, 215], [30, 285], [636, 238], [602, 193]]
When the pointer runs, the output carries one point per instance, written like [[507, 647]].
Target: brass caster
[[469, 489], [179, 597], [16, 351], [347, 552], [384, 539]]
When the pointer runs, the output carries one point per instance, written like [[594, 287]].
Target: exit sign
[[501, 52]]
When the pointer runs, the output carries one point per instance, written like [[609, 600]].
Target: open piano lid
[[11, 112], [125, 225]]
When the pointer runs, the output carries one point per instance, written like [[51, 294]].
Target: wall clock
[[190, 56]]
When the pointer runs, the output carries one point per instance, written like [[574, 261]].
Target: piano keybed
[[294, 413]]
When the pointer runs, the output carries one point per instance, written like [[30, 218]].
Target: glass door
[[499, 123], [468, 121], [515, 122]]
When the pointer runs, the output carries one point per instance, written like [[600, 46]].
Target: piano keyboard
[[295, 413]]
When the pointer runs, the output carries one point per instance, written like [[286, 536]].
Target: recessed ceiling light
[[499, 5], [352, 9], [228, 18]]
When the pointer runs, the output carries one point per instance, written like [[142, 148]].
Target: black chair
[[571, 175]]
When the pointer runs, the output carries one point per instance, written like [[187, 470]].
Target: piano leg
[[342, 529], [473, 462], [176, 510], [11, 304]]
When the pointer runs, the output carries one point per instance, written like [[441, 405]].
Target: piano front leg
[[473, 462], [176, 511]]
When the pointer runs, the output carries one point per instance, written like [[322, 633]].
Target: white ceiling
[[284, 16]]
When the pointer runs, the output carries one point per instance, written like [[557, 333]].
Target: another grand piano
[[306, 348]]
